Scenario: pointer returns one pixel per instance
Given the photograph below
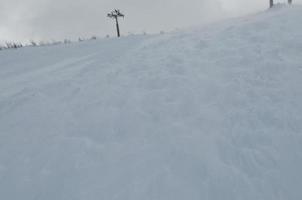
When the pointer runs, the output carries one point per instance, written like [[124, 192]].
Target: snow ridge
[[211, 113]]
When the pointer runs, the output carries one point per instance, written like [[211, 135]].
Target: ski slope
[[211, 113]]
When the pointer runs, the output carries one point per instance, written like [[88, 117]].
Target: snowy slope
[[213, 113]]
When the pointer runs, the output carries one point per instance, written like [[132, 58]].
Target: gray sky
[[22, 20]]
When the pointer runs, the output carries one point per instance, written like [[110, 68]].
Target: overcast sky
[[58, 19]]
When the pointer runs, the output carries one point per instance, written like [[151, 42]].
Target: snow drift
[[211, 113]]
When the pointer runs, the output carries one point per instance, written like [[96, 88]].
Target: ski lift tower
[[271, 3], [115, 14]]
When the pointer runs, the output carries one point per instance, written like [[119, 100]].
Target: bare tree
[[33, 43], [115, 14], [67, 41]]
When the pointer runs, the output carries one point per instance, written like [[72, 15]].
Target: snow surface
[[213, 113]]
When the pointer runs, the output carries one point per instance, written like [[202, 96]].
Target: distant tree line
[[11, 45], [32, 43], [271, 2]]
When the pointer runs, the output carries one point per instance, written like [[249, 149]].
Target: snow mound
[[211, 113]]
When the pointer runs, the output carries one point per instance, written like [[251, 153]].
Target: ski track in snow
[[209, 113]]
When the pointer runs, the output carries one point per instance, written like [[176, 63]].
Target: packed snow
[[210, 113]]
